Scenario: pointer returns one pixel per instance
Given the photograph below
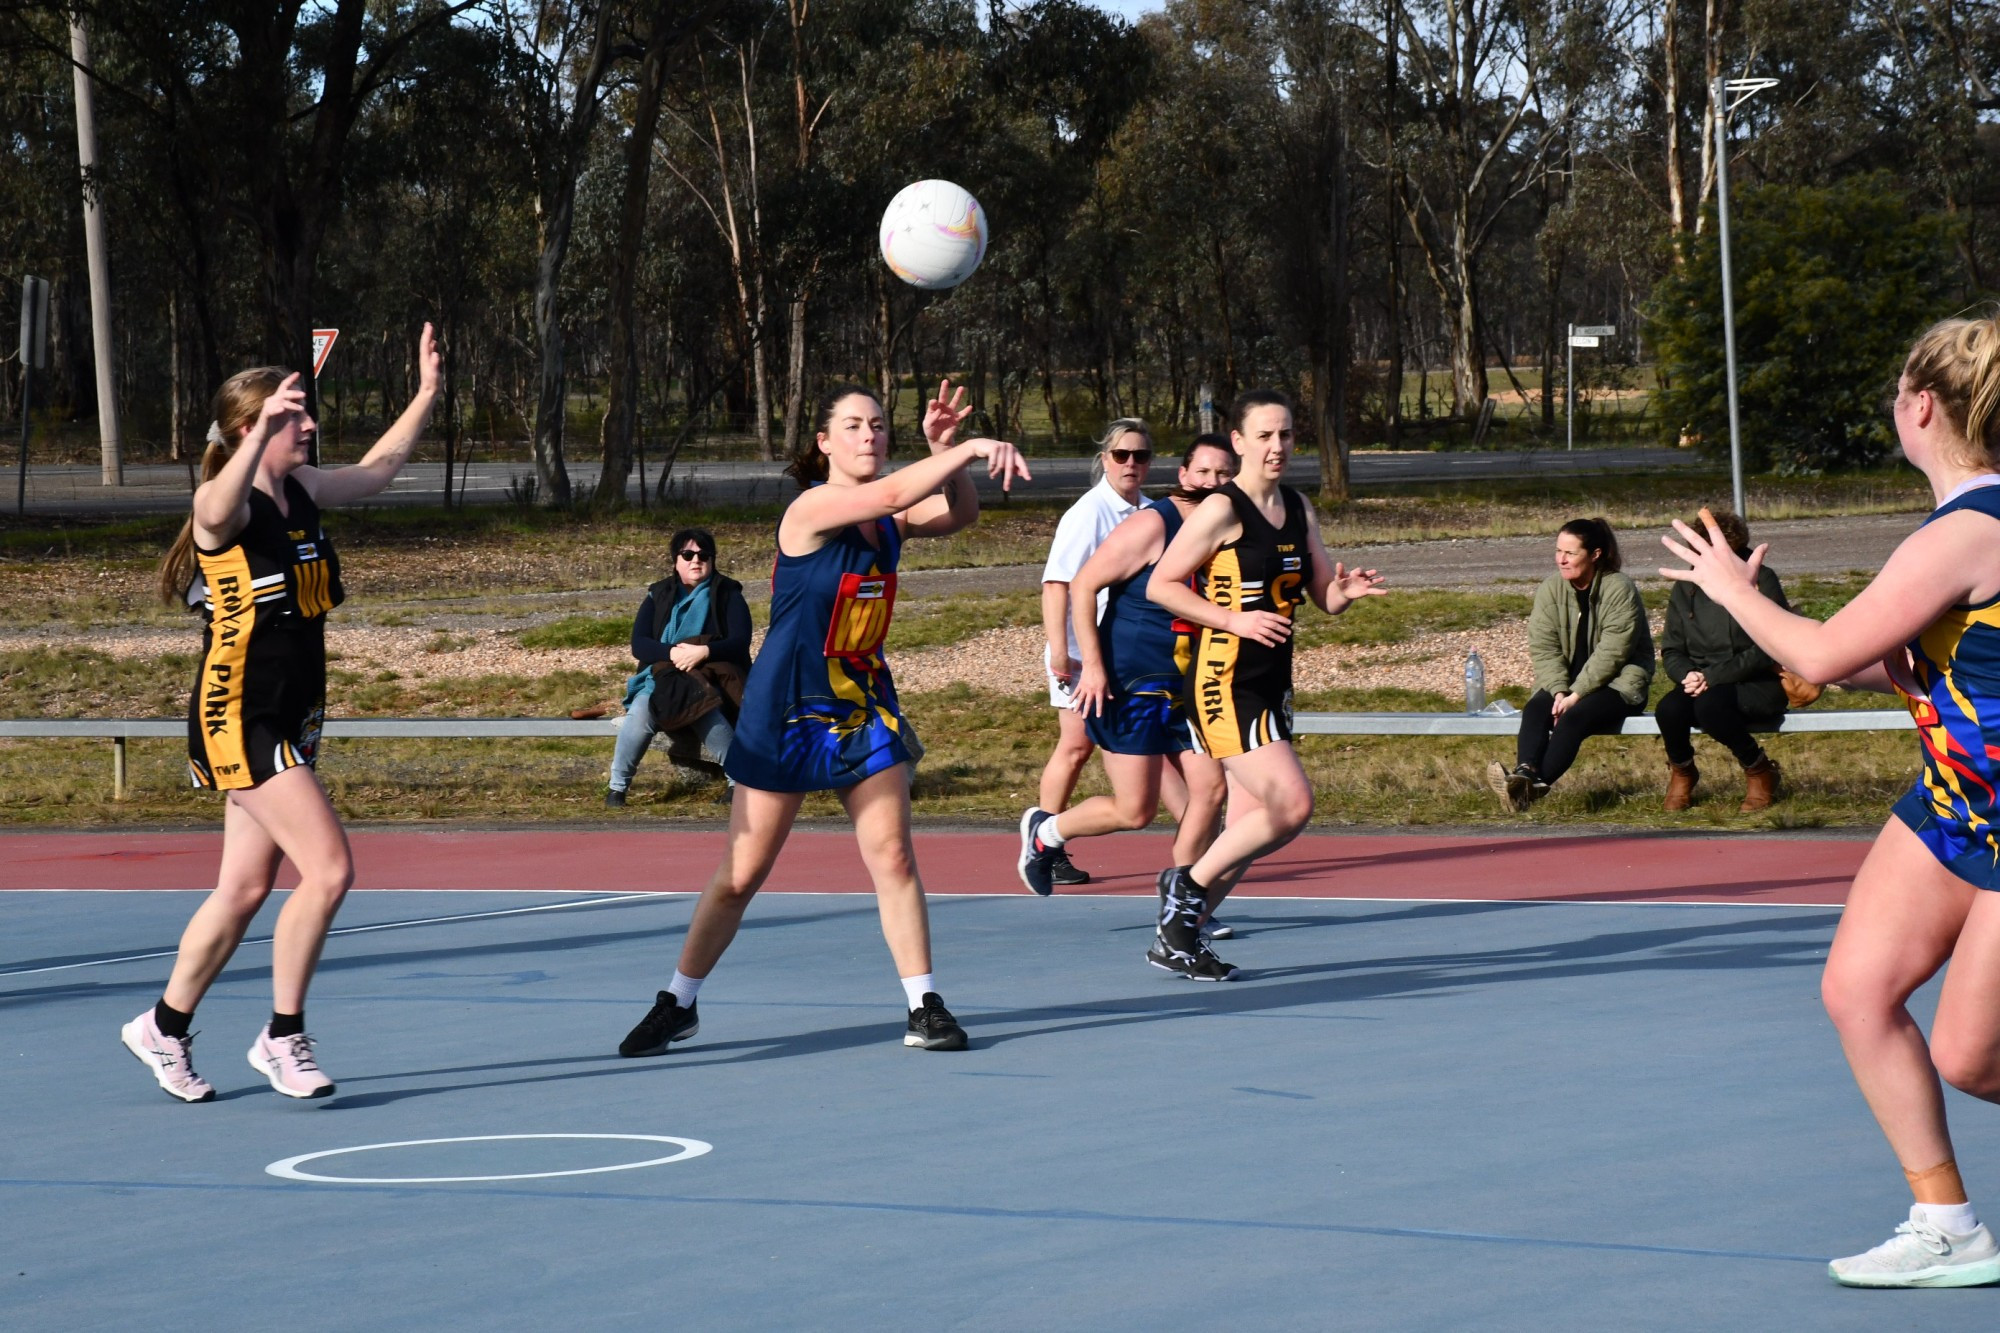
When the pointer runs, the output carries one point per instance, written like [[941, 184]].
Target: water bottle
[[1475, 682]]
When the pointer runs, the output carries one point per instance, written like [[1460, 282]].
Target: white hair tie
[[215, 432]]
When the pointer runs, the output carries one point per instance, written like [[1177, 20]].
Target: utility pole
[[1742, 90], [111, 449]]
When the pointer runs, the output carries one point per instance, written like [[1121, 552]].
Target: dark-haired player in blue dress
[[1129, 691], [819, 710], [1928, 628]]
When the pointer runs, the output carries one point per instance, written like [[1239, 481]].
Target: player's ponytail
[[236, 407], [1958, 362]]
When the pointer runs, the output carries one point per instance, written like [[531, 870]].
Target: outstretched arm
[[379, 466], [1335, 587], [828, 509], [1942, 564]]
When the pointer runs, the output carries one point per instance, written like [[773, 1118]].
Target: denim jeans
[[635, 733]]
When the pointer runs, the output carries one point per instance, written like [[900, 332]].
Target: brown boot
[[1680, 784], [1760, 785]]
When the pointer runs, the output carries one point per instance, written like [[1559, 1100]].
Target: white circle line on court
[[288, 1169]]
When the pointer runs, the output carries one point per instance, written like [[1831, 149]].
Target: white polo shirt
[[1082, 530]]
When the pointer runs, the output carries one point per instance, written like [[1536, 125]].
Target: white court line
[[288, 1169], [345, 930]]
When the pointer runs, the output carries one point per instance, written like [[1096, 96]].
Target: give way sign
[[323, 340]]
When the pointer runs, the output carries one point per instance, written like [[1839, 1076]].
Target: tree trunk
[[1330, 378], [621, 399], [795, 377]]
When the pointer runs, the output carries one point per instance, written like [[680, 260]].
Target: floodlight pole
[[1719, 94], [110, 444]]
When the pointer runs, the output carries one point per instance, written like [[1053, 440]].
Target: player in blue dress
[[1927, 628], [819, 710], [1128, 688]]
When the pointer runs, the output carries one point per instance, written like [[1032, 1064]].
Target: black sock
[[287, 1025], [170, 1021]]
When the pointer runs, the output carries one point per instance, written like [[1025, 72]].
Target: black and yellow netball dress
[[260, 696], [1239, 691]]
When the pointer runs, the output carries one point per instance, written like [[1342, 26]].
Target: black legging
[[1716, 711], [1548, 744]]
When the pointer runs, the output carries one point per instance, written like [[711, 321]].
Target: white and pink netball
[[933, 235]]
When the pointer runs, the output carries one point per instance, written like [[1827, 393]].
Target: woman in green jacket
[[1593, 659], [1723, 683]]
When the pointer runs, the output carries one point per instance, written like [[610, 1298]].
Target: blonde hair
[[236, 407], [1121, 427], [1958, 362]]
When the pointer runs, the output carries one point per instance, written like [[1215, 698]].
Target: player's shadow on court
[[1713, 946]]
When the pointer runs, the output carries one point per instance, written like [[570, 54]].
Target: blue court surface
[[1409, 1115]]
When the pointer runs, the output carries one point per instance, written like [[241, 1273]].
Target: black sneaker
[[1065, 872], [614, 798], [932, 1026], [1197, 964], [1216, 929], [668, 1023], [1036, 863]]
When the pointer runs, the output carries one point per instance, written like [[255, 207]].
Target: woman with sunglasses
[[1256, 547], [693, 620], [1125, 456], [820, 711]]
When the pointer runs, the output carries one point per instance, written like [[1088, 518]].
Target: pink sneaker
[[288, 1062], [170, 1058]]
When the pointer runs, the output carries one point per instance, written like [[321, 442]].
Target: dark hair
[[808, 464], [1255, 398], [1734, 530], [1595, 534], [701, 537], [1206, 440]]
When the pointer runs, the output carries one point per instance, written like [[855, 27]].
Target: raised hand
[[1712, 566], [1354, 584], [943, 415], [430, 361], [280, 405]]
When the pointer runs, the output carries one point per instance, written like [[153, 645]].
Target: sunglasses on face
[[1130, 455], [693, 556]]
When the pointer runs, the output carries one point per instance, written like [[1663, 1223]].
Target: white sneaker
[[1921, 1254], [288, 1062]]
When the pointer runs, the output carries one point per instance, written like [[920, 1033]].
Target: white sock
[[1048, 833], [915, 988], [1955, 1218], [684, 988]]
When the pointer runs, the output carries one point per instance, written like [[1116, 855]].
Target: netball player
[[1129, 687], [1258, 553], [819, 711], [1928, 628], [255, 562]]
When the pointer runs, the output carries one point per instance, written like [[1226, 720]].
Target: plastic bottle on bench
[[1475, 682]]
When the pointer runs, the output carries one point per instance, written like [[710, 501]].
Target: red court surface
[[1582, 868]]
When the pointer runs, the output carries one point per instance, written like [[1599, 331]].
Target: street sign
[[35, 323], [323, 341], [1596, 330], [1584, 340]]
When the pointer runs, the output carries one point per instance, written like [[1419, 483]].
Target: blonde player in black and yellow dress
[[1257, 549], [256, 564]]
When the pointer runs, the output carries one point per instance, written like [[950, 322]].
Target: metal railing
[[118, 730]]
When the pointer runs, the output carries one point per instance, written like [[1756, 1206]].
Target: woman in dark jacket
[[692, 641], [1723, 683]]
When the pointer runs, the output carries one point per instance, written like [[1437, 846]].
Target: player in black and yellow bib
[[1258, 555], [255, 562]]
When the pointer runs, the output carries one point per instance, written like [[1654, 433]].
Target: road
[[164, 488]]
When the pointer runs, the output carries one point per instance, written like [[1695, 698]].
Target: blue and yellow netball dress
[[819, 710], [260, 696], [1953, 693], [1145, 659]]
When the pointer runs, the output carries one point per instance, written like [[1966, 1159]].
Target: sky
[[1130, 9]]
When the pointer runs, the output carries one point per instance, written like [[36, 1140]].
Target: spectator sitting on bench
[[1592, 655], [1724, 683], [692, 640]]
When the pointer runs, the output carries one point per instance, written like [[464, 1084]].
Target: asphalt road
[[164, 488]]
